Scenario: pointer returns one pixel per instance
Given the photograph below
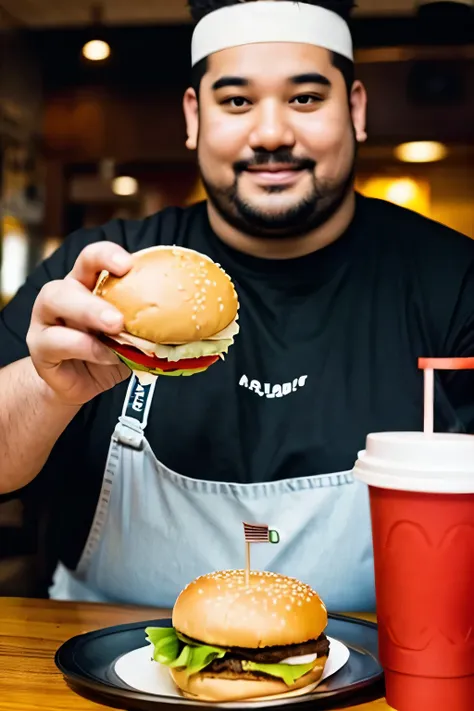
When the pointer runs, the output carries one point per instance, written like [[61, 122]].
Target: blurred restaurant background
[[91, 128], [91, 124]]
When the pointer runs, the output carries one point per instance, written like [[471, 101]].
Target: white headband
[[275, 21]]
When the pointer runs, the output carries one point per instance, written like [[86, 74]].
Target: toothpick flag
[[257, 533]]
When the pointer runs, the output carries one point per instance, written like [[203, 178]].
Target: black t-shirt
[[327, 353]]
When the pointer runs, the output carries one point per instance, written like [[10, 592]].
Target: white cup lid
[[415, 461]]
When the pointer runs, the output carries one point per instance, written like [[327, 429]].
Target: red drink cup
[[422, 507]]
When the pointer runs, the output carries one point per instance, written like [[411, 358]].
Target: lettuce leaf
[[165, 642], [290, 673], [172, 652]]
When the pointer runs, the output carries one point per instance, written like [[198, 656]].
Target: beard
[[321, 202]]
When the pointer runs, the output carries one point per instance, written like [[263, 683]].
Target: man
[[339, 297]]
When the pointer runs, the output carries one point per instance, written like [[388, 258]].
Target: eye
[[236, 102], [307, 99]]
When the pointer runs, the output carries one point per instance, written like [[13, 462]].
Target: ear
[[191, 115], [359, 110]]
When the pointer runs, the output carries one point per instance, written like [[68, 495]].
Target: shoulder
[[163, 227], [432, 264], [412, 234]]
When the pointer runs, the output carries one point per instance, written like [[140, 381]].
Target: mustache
[[264, 159]]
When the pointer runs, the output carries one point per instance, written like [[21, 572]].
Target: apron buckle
[[129, 432]]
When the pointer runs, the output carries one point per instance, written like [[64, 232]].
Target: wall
[[453, 197], [442, 191], [21, 96], [87, 123], [20, 124]]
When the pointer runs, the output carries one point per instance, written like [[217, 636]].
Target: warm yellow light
[[96, 50], [421, 152], [14, 267], [402, 192], [124, 185]]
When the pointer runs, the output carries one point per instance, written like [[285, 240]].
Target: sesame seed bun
[[172, 295], [216, 688], [275, 610]]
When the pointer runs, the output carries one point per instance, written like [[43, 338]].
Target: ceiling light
[[124, 185], [421, 152], [96, 50]]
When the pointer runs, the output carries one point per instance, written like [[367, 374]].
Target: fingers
[[58, 343], [98, 257], [68, 301]]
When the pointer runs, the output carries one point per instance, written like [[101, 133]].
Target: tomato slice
[[153, 362]]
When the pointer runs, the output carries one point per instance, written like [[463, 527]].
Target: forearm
[[31, 421]]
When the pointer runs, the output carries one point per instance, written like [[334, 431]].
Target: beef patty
[[232, 662]]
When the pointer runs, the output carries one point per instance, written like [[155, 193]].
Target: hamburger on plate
[[230, 641], [180, 310]]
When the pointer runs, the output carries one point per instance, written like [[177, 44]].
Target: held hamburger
[[180, 310], [230, 642]]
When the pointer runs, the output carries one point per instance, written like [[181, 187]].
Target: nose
[[271, 130]]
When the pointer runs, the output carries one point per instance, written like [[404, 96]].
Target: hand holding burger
[[231, 642], [180, 311]]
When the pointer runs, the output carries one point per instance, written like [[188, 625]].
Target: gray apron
[[155, 530]]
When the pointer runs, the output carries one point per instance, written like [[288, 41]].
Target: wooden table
[[32, 630]]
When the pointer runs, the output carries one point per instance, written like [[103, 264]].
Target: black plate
[[87, 663]]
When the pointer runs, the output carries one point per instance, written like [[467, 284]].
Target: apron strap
[[136, 408]]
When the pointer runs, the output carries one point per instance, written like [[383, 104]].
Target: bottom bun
[[215, 688]]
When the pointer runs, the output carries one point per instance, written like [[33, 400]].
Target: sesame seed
[[195, 308], [207, 282], [214, 283], [194, 317], [202, 264], [203, 290], [219, 298], [197, 282], [197, 295], [203, 308], [200, 591], [198, 327], [221, 307]]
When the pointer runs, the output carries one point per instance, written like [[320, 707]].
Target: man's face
[[275, 135]]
